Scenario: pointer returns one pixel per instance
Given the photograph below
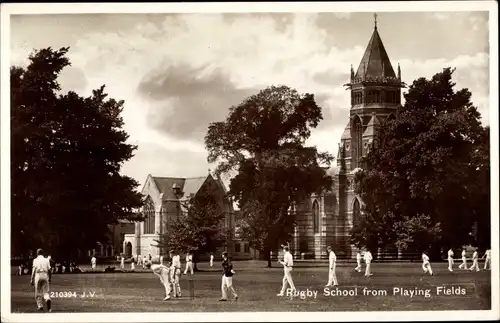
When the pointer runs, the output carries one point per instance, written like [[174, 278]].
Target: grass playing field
[[257, 287]]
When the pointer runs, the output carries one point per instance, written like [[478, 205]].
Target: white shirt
[[368, 256], [464, 254], [161, 259], [211, 257], [288, 259], [93, 261], [425, 258], [474, 255], [450, 254], [488, 254], [333, 258], [189, 258], [176, 261], [41, 265]]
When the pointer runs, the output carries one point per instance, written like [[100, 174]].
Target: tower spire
[[375, 19]]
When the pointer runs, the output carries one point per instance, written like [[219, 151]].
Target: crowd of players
[[170, 271]]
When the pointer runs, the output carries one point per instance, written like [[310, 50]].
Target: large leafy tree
[[66, 155], [263, 141], [426, 183], [199, 228]]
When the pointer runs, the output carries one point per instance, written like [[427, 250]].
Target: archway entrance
[[128, 250]]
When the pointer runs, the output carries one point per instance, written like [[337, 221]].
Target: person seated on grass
[[109, 269], [76, 269]]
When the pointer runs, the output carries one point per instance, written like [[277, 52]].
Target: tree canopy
[[426, 183], [263, 141], [66, 156]]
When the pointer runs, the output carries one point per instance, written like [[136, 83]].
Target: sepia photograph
[[263, 162]]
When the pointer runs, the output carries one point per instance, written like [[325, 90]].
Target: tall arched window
[[149, 214], [356, 210], [357, 140], [316, 216]]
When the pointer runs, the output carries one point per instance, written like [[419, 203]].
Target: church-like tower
[[375, 95]]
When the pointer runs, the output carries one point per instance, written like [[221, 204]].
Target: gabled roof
[[375, 62], [189, 185]]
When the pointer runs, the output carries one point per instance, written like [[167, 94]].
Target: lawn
[[257, 287]]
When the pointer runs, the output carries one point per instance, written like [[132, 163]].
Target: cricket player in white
[[175, 273], [139, 260], [144, 262], [463, 265], [332, 277], [93, 263], [450, 259], [164, 273], [426, 265], [368, 260], [161, 260], [211, 260], [227, 278], [122, 263], [40, 277], [287, 268], [475, 264], [487, 261], [189, 263]]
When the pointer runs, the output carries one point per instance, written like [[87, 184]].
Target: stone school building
[[327, 219], [164, 199]]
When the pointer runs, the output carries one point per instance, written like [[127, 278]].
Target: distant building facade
[[164, 199], [326, 219]]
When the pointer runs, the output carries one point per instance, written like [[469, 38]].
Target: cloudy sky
[[177, 73]]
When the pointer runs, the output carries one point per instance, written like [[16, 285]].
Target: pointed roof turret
[[375, 63], [371, 128]]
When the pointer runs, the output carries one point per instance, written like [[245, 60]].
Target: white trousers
[[426, 267], [463, 265], [487, 263], [93, 266], [175, 274], [189, 267], [368, 271], [227, 284], [163, 273], [332, 277], [450, 264], [211, 262], [358, 267], [475, 265], [287, 280], [42, 288]]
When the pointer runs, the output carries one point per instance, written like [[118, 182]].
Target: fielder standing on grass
[[368, 260], [211, 260], [487, 261], [332, 277], [287, 271], [189, 263], [40, 278], [93, 263], [475, 264], [450, 259], [175, 273], [463, 265], [426, 265], [227, 278]]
